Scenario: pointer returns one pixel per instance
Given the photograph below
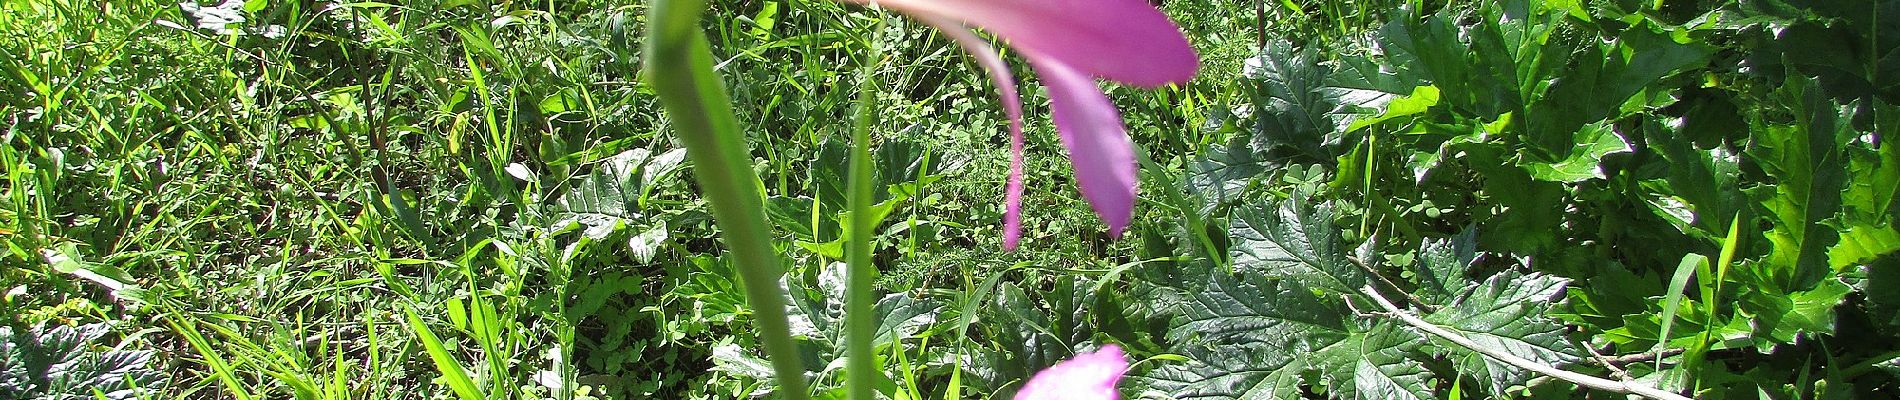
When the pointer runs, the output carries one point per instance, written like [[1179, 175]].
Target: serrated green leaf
[[1302, 105], [1442, 266], [1507, 312], [613, 196], [1377, 364], [1249, 309], [67, 362], [1882, 288], [1293, 241], [1032, 337], [1868, 224], [1285, 83], [1784, 317], [816, 313], [1249, 371], [1221, 174], [1592, 143], [1250, 338], [1700, 190], [1605, 76], [1421, 100], [1863, 243], [1806, 163]]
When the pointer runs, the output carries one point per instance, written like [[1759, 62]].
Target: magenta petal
[[1087, 376], [1127, 41], [1099, 147], [1012, 106]]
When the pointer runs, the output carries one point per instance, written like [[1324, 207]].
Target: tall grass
[[367, 200]]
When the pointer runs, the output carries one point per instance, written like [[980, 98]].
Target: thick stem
[[679, 67], [1625, 387], [860, 365]]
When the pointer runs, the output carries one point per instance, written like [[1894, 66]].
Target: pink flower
[[1069, 43], [1087, 376]]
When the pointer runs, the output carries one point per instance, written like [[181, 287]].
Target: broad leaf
[[1592, 143], [1030, 337], [1293, 241], [1249, 309], [1257, 338], [1507, 312], [1882, 288], [68, 362], [820, 314], [1302, 105], [1252, 371], [1249, 338], [1221, 173], [1808, 167], [614, 194], [1699, 191], [1442, 266], [1785, 317], [1377, 363], [1289, 107], [1870, 208]]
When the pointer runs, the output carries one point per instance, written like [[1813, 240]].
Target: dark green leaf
[[1294, 241], [1806, 161], [1507, 312], [1591, 143], [1443, 265]]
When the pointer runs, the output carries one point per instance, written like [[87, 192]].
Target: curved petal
[[1099, 147], [1012, 106], [1127, 41], [1087, 376]]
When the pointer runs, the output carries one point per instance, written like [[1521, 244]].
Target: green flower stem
[[679, 66], [860, 366]]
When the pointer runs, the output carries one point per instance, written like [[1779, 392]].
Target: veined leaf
[[1251, 371], [67, 362], [1806, 161], [1784, 317], [1249, 338], [1592, 143], [1221, 173], [1377, 364], [1882, 288], [1442, 266], [1868, 223], [1507, 312], [1302, 106], [1251, 309], [614, 195], [1252, 337], [1699, 191], [1293, 241]]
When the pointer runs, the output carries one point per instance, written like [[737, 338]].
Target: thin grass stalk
[[679, 65]]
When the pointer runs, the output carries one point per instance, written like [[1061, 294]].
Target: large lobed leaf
[[1293, 241], [1805, 159], [1507, 312], [1281, 325], [1252, 337], [62, 363]]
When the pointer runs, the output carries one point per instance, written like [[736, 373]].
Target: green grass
[[482, 199], [281, 202]]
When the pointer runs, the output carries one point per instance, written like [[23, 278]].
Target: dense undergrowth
[[465, 199]]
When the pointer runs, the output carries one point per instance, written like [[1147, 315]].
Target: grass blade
[[452, 372]]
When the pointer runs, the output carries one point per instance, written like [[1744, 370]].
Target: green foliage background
[[470, 199]]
